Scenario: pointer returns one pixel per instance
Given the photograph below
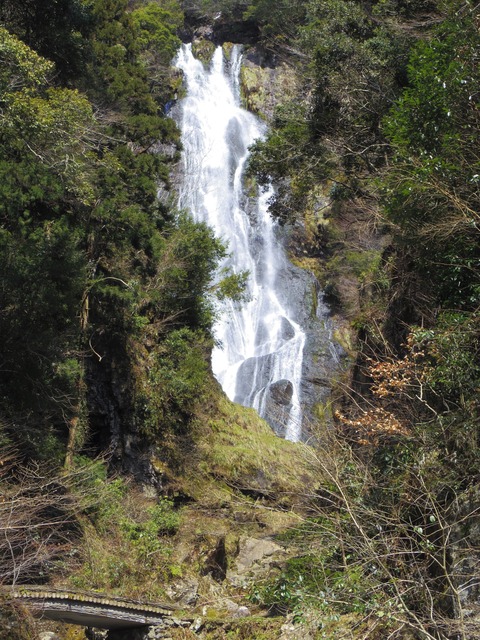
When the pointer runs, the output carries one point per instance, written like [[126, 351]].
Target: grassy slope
[[239, 481]]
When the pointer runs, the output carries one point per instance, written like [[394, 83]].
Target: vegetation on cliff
[[96, 273]]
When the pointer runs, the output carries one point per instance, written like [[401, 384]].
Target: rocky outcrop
[[264, 82], [322, 357], [111, 409], [256, 556], [219, 28]]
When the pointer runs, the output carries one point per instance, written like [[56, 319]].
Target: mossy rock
[[343, 334], [227, 49], [254, 86], [203, 50], [262, 88], [308, 263], [72, 632]]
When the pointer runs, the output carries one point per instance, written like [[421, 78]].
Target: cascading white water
[[259, 358]]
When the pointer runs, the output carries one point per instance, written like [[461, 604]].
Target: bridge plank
[[93, 610]]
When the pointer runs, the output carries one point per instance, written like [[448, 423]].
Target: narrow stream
[[258, 360]]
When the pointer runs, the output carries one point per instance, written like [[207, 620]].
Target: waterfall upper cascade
[[258, 360]]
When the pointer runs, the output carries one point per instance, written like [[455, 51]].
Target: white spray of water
[[259, 358]]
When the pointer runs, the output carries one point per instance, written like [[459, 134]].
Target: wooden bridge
[[93, 609]]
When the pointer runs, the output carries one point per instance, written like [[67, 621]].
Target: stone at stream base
[[278, 404], [281, 392]]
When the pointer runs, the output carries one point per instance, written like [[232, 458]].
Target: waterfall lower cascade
[[258, 360]]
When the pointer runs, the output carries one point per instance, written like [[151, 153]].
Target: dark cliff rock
[[114, 428], [219, 28]]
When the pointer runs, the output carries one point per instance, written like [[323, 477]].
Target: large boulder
[[256, 556]]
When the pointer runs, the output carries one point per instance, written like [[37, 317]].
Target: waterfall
[[259, 353]]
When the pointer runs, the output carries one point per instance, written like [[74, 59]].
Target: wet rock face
[[281, 392], [322, 356], [241, 31], [278, 398]]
